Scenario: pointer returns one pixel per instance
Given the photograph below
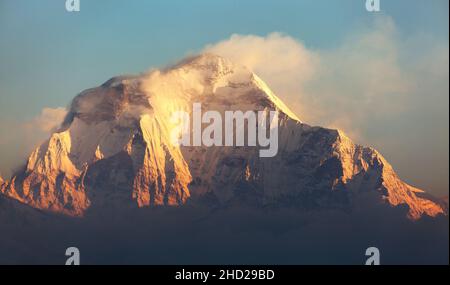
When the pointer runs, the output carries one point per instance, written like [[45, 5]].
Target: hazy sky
[[381, 77]]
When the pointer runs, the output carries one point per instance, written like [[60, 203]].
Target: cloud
[[19, 138], [381, 87], [280, 60], [342, 87], [284, 61], [49, 119]]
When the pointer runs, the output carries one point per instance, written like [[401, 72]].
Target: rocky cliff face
[[114, 150]]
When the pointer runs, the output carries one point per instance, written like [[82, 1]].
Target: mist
[[229, 235]]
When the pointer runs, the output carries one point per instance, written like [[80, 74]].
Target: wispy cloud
[[48, 120], [19, 138]]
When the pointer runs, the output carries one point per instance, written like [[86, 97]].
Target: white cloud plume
[[342, 87], [284, 63], [49, 119]]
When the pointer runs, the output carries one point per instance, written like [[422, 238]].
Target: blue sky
[[48, 55]]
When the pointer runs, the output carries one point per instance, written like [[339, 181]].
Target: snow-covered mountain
[[114, 150]]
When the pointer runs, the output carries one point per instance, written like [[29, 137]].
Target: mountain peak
[[208, 61], [115, 149], [202, 78], [119, 80], [212, 76]]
